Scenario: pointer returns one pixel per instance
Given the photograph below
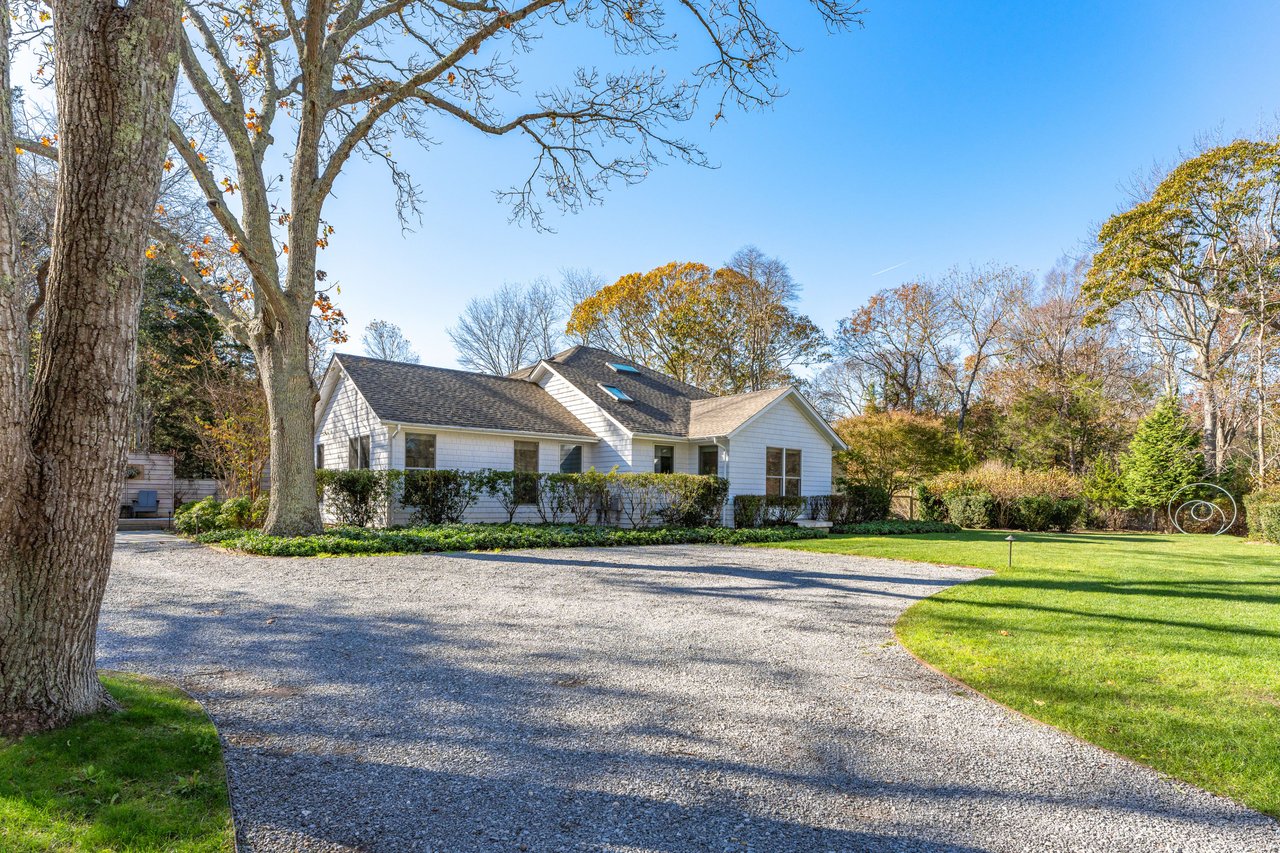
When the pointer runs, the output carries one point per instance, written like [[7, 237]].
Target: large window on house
[[419, 450], [782, 471], [571, 459], [709, 460], [526, 462], [664, 459], [358, 452], [319, 456]]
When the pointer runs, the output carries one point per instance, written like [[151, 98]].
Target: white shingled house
[[583, 408]]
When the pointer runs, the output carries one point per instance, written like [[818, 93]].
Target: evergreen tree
[[1163, 456], [180, 346], [1103, 483]]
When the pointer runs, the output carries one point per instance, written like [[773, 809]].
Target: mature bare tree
[[974, 306], [384, 339], [335, 80], [65, 430], [772, 339], [890, 340], [513, 327]]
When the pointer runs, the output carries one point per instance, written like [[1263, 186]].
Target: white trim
[[584, 439], [806, 408], [616, 393], [322, 405], [543, 365]]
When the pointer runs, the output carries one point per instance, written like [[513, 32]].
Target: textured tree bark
[[115, 73], [282, 359]]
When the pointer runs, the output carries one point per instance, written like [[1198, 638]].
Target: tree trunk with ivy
[[67, 429]]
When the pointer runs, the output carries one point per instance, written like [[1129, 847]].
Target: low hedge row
[[1262, 515], [895, 527], [211, 514], [490, 537]]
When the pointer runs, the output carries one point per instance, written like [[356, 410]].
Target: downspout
[[391, 455], [725, 447]]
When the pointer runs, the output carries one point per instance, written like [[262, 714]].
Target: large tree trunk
[[115, 73], [284, 367]]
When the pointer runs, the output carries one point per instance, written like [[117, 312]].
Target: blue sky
[[941, 133]]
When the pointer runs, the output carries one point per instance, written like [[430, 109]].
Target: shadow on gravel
[[764, 582], [393, 733]]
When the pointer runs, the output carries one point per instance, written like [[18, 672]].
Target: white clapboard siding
[[614, 448], [782, 425], [474, 451], [347, 416], [156, 475]]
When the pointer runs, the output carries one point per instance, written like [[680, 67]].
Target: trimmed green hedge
[[490, 537], [895, 527]]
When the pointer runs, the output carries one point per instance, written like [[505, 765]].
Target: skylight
[[622, 368], [616, 393]]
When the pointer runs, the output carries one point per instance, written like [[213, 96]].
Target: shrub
[[586, 493], [502, 487], [258, 514], [552, 498], [1039, 513], [487, 537], [1004, 488], [1262, 515], [748, 511], [198, 516], [639, 496], [864, 502], [931, 506], [356, 496], [819, 507], [236, 513], [693, 500], [440, 496], [895, 527], [970, 509], [783, 510]]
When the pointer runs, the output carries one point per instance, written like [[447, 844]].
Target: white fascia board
[[807, 409], [543, 369], [580, 439]]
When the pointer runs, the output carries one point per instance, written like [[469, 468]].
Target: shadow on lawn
[[397, 731]]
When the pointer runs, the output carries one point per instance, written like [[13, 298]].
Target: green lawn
[[149, 778], [1163, 648]]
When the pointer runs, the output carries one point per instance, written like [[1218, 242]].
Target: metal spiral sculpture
[[1202, 511]]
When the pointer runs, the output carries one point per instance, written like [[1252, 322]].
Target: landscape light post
[[1010, 540]]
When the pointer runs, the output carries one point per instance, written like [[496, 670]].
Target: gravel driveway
[[640, 699]]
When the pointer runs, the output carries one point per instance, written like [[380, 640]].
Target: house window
[[664, 459], [616, 393], [526, 462], [419, 450], [618, 367], [358, 452], [571, 459], [782, 471], [709, 460], [319, 456]]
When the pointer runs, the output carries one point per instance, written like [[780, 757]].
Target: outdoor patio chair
[[148, 500]]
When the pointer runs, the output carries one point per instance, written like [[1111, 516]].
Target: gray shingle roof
[[722, 415], [661, 404], [417, 394]]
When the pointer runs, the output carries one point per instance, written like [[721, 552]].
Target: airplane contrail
[[890, 269]]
